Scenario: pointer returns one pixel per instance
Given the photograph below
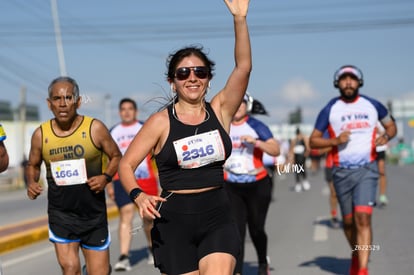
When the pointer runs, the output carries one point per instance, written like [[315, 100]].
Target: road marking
[[24, 258], [325, 191], [38, 253], [320, 231]]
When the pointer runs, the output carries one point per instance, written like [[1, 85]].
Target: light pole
[[58, 37]]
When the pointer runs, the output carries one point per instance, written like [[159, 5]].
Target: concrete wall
[[18, 146]]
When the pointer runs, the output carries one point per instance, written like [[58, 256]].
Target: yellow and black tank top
[[77, 145], [74, 203]]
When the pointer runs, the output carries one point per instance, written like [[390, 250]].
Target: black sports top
[[197, 160]]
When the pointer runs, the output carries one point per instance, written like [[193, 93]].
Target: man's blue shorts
[[121, 196]]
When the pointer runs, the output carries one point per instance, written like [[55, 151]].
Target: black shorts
[[95, 239], [380, 155], [192, 226]]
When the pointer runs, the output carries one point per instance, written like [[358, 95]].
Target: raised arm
[[227, 101]]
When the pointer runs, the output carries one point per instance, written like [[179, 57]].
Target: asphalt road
[[301, 240]]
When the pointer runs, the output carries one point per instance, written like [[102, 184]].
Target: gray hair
[[65, 79]]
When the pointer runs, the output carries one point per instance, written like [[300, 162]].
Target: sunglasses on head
[[183, 73]]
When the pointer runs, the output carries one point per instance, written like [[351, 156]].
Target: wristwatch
[[134, 194], [107, 177]]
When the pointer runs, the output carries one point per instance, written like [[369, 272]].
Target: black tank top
[[171, 175]]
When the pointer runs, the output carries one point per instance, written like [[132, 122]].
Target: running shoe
[[85, 272], [263, 269], [363, 271], [123, 264], [150, 257], [298, 187], [335, 222], [383, 200], [306, 185]]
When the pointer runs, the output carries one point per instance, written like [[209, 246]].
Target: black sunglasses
[[183, 73]]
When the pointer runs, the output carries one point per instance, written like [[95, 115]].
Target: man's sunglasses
[[183, 73]]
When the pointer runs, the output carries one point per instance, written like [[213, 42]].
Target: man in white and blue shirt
[[351, 121]]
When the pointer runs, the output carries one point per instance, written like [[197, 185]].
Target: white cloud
[[297, 90]]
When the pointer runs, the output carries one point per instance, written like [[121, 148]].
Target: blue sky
[[118, 49]]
